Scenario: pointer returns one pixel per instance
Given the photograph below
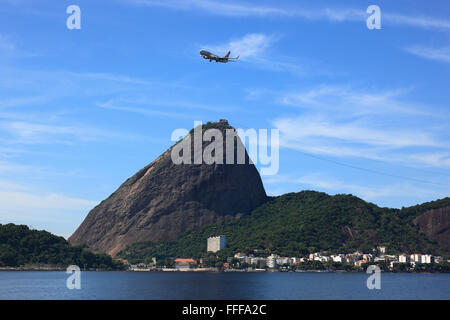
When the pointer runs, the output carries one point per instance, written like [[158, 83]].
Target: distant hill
[[305, 222], [19, 246], [163, 200], [168, 210]]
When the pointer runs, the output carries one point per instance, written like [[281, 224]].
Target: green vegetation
[[221, 125], [20, 246], [299, 223], [410, 213]]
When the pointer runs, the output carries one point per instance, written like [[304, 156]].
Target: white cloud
[[353, 101], [40, 133], [361, 139], [6, 167], [438, 54], [14, 195], [17, 199], [7, 47], [223, 8], [142, 110], [19, 101], [370, 193], [325, 183], [437, 159], [416, 21], [249, 46], [243, 9], [141, 104], [303, 128], [343, 122], [11, 48], [51, 211], [254, 49], [110, 77]]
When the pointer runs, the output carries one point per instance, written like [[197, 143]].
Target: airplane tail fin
[[228, 54]]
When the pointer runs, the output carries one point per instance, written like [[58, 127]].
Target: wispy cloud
[[249, 46], [417, 21], [21, 132], [342, 122], [10, 48], [435, 159], [254, 48], [111, 105], [111, 77], [334, 14], [7, 167], [55, 212], [19, 101], [243, 9], [225, 8], [7, 47], [325, 183], [357, 131], [17, 199], [438, 54], [352, 100]]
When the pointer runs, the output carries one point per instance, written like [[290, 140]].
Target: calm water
[[129, 285]]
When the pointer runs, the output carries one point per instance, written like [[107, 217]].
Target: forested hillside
[[19, 246], [300, 223]]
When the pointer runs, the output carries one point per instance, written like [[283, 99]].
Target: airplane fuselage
[[210, 56]]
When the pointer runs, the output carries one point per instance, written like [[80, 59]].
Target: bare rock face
[[165, 199], [435, 224]]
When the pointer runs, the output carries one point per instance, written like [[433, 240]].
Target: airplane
[[210, 56]]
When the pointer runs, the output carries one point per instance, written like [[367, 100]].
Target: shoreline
[[6, 269]]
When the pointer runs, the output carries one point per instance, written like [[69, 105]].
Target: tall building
[[215, 244], [272, 261]]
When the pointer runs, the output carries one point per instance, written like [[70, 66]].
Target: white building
[[426, 258], [382, 249], [297, 260], [338, 258], [271, 261], [259, 262], [282, 260], [322, 258], [215, 244], [403, 258]]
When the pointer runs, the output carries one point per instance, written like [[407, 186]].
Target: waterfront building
[[272, 261], [185, 264]]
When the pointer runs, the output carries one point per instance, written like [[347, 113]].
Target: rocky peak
[[165, 199]]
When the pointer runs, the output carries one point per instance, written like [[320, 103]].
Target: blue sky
[[360, 111]]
